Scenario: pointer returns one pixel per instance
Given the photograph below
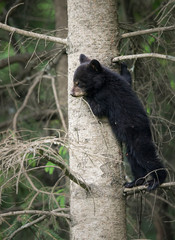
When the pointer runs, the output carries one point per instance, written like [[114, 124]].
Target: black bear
[[110, 94]]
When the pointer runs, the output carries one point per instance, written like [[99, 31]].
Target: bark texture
[[94, 153]]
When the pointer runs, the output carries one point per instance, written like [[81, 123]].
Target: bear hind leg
[[138, 172]]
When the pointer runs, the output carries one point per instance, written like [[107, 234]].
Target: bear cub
[[110, 94]]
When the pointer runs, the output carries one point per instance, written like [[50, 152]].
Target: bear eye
[[76, 83]]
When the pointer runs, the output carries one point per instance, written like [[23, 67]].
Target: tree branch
[[130, 191], [25, 101], [147, 31], [57, 102], [26, 226], [32, 34], [39, 115], [19, 58], [24, 57], [69, 173], [38, 212], [144, 55]]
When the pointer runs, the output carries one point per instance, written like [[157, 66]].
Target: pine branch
[[32, 34], [147, 31], [27, 225], [144, 55]]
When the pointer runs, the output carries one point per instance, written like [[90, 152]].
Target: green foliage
[[50, 169], [63, 152], [61, 198], [149, 102], [147, 45], [31, 159], [172, 83]]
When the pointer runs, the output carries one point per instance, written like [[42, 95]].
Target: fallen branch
[[130, 191], [144, 55], [33, 35], [147, 31]]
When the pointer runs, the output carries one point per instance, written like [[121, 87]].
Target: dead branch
[[147, 31], [22, 58], [12, 85], [69, 173], [144, 55], [15, 158], [57, 102], [25, 102], [32, 34], [19, 58], [39, 115], [37, 212], [11, 10], [130, 191], [164, 12]]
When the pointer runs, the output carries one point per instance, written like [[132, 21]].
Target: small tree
[[94, 152]]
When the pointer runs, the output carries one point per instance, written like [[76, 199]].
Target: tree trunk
[[94, 152]]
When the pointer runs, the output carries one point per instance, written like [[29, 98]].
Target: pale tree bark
[[94, 152]]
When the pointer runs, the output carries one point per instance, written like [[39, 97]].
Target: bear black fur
[[110, 94]]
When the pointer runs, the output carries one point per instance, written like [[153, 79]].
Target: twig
[[39, 115], [19, 58], [130, 191], [11, 9], [25, 102], [26, 226], [33, 35], [57, 102], [144, 55], [147, 31]]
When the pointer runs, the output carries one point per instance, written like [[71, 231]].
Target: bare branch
[[38, 212], [72, 176], [15, 158], [11, 9], [144, 55], [14, 59], [37, 115], [25, 101], [130, 191], [22, 58], [57, 102], [33, 35], [147, 31]]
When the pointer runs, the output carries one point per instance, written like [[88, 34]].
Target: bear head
[[88, 77]]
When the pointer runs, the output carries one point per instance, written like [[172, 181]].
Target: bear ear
[[95, 65], [84, 59]]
